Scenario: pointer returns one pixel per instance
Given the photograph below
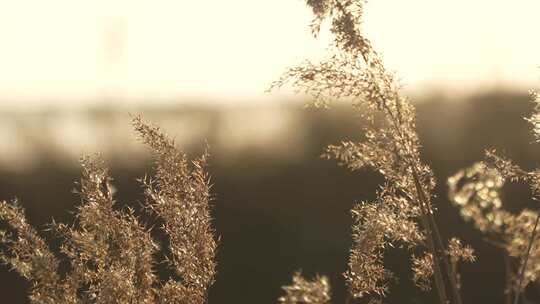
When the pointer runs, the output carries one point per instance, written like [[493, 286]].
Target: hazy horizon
[[76, 52]]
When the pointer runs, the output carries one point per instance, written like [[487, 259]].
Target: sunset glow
[[73, 50]]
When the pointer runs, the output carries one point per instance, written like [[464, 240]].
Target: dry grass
[[113, 255], [403, 214]]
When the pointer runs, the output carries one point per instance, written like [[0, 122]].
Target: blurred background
[[72, 72]]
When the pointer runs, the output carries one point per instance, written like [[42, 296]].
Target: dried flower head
[[302, 291], [28, 254], [355, 72], [375, 227], [422, 268], [535, 117], [458, 252], [180, 195], [111, 254]]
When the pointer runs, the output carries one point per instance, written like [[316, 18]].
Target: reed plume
[[111, 254], [403, 214]]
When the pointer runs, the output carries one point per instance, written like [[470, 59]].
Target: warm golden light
[[231, 50]]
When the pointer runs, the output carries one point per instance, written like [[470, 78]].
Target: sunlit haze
[[83, 51]]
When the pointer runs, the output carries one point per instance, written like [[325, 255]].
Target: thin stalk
[[348, 299], [454, 263], [524, 266], [439, 281], [451, 274], [508, 278]]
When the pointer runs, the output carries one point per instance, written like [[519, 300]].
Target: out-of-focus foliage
[[477, 192]]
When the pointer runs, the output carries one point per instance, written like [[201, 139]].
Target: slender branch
[[524, 266]]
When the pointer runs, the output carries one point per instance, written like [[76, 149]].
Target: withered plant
[[403, 213], [111, 253], [477, 192]]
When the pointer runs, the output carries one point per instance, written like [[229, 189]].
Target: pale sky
[[79, 51]]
